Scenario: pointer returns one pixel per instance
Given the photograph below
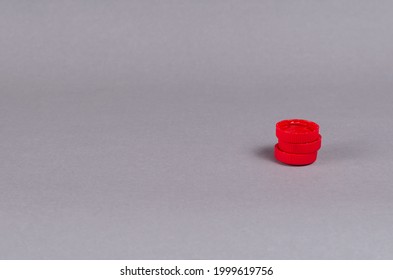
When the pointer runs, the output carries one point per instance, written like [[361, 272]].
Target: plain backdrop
[[145, 129]]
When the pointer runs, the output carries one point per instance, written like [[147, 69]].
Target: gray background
[[144, 129]]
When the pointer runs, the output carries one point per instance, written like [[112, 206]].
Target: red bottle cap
[[294, 159], [297, 131], [300, 148]]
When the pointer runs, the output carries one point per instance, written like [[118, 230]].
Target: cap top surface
[[297, 126], [297, 131]]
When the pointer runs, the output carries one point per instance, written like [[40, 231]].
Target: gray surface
[[144, 129]]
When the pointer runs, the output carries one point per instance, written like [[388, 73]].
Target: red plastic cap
[[294, 159], [297, 131], [300, 148], [298, 142]]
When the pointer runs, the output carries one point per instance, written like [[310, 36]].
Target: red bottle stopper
[[298, 142]]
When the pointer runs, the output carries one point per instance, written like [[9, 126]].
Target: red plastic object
[[298, 142], [297, 131], [300, 148], [294, 159]]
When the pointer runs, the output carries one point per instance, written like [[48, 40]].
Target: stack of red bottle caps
[[298, 142]]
